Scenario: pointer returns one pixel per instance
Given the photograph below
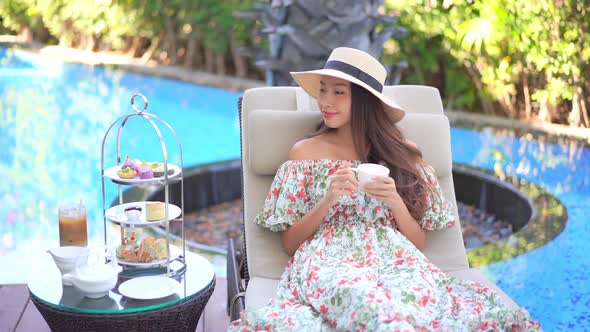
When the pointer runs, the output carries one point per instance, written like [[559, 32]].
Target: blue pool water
[[54, 115], [552, 281], [53, 119]]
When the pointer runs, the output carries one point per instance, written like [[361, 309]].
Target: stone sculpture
[[302, 33]]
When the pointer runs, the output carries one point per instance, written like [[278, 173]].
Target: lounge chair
[[272, 120]]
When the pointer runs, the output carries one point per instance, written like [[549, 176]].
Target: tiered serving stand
[[149, 304], [175, 263]]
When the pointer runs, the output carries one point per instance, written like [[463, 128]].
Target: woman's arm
[[383, 188], [342, 182], [305, 227], [407, 225]]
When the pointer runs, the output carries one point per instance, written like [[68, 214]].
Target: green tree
[[525, 59]]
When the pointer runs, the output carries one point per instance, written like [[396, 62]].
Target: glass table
[[65, 308]]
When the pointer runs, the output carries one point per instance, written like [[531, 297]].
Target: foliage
[[125, 25], [519, 58], [16, 15], [522, 58]]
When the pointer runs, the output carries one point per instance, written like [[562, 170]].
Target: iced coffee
[[72, 226]]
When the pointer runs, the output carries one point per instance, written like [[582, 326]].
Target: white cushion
[[305, 102], [267, 152], [271, 125], [272, 134], [260, 291], [432, 134], [273, 118], [416, 98]]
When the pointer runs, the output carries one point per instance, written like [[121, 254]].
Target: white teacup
[[366, 172]]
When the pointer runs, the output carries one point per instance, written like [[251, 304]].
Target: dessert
[[154, 211], [127, 252], [145, 173], [158, 169], [146, 252], [135, 168], [129, 163], [127, 173], [160, 248], [133, 213], [132, 240]]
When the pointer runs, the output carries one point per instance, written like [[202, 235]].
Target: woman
[[356, 262]]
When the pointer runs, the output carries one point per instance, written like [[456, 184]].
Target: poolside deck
[[18, 314]]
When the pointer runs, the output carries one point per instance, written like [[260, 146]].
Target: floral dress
[[359, 273]]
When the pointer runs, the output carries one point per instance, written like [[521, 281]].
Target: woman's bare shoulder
[[307, 148]]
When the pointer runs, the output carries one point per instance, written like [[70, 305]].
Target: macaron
[[146, 173]]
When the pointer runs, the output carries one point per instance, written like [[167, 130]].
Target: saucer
[[149, 288]]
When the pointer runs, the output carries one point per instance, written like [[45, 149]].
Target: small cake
[[145, 173], [132, 240], [158, 169], [127, 252], [148, 240], [146, 252], [154, 211], [160, 248], [127, 173], [131, 163], [120, 250]]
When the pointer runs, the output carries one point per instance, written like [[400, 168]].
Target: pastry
[[158, 169], [132, 240], [149, 240], [133, 164], [160, 248], [146, 252], [145, 173], [120, 250], [127, 252], [127, 173], [154, 211]]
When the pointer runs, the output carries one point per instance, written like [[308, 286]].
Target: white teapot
[[95, 280], [68, 258]]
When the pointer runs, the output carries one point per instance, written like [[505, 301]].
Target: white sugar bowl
[[95, 281]]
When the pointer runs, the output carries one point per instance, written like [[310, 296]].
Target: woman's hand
[[383, 188], [343, 182]]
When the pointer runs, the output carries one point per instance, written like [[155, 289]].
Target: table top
[[45, 283]]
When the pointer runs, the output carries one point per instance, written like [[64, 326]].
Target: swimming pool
[[551, 281], [54, 117]]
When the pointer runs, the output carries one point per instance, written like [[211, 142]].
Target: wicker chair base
[[182, 316]]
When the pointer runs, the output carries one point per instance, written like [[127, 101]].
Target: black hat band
[[355, 72]]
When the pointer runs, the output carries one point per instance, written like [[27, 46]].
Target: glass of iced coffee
[[72, 225]]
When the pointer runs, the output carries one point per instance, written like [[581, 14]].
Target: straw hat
[[354, 66]]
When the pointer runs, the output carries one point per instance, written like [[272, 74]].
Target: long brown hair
[[377, 139]]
